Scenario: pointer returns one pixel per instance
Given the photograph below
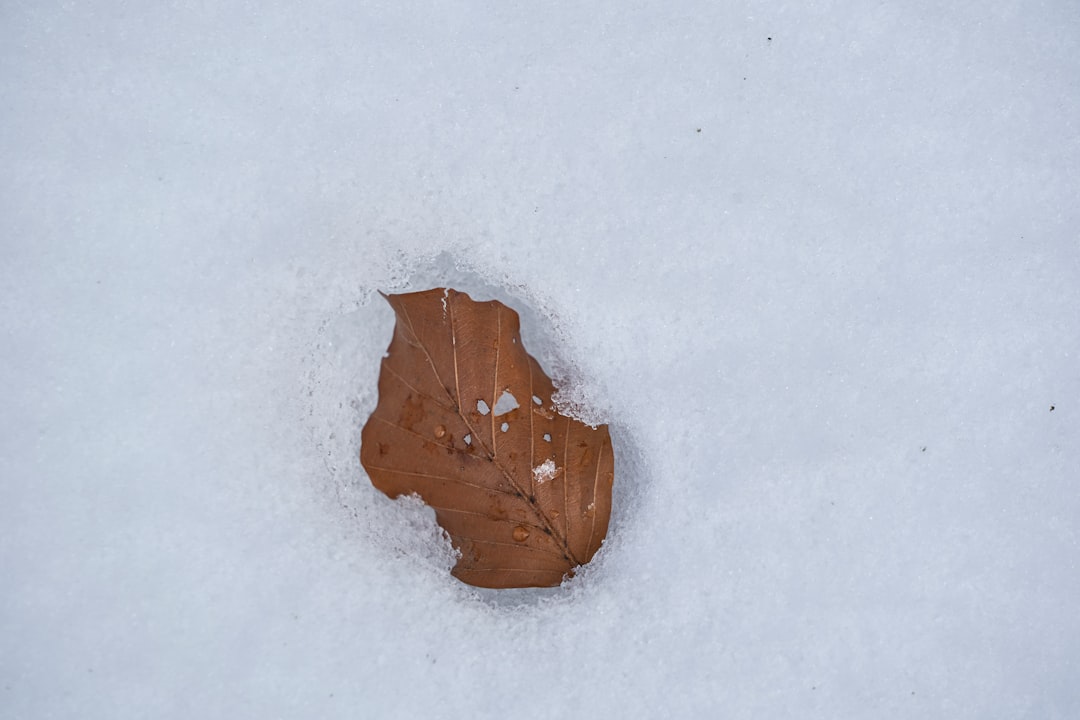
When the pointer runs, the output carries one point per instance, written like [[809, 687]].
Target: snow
[[545, 471], [816, 264]]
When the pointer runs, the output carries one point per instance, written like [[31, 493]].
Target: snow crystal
[[545, 471]]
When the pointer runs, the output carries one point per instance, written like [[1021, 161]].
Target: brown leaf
[[465, 420]]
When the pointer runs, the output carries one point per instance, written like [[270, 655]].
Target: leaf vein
[[448, 478], [420, 344], [516, 546]]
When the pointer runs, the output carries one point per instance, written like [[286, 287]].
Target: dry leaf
[[465, 420]]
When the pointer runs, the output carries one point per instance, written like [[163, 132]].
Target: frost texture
[[544, 472]]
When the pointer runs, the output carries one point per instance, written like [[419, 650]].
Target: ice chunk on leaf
[[545, 471]]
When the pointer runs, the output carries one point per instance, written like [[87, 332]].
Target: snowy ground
[[816, 263]]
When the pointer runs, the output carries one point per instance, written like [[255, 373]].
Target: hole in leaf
[[505, 427], [547, 437], [505, 403], [482, 407]]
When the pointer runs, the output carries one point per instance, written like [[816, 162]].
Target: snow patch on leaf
[[545, 471]]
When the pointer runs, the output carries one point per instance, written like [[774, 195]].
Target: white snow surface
[[817, 264]]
